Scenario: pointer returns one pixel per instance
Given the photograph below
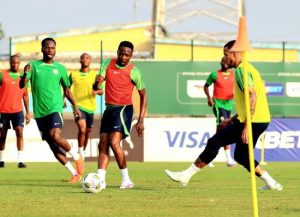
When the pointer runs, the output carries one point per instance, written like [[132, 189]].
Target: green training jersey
[[218, 103], [46, 81]]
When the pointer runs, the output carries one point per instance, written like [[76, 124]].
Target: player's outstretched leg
[[271, 184], [184, 176]]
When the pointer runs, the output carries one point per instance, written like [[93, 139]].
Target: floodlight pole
[[157, 21]]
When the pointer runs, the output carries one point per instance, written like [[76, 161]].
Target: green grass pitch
[[41, 190]]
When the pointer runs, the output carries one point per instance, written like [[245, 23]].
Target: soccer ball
[[91, 183]]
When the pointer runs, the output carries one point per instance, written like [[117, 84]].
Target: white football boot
[[276, 186], [127, 185], [178, 177]]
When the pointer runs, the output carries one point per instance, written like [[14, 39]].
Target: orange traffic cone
[[242, 42]]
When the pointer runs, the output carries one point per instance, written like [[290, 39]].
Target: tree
[[1, 32]]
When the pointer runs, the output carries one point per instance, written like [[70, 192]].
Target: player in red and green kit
[[120, 77], [81, 87], [47, 78], [222, 100], [11, 108]]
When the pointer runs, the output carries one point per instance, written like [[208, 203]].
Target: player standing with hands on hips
[[120, 77], [47, 77]]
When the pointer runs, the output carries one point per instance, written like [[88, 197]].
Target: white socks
[[71, 169], [102, 174], [228, 156], [1, 155], [74, 153], [81, 151], [20, 156], [192, 170], [268, 179], [125, 175]]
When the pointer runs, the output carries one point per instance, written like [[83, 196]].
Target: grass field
[[41, 190]]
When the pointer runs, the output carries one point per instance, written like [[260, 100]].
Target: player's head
[[225, 64], [125, 51], [14, 62], [85, 60], [234, 57], [48, 48]]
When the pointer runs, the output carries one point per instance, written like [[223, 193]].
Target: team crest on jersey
[[55, 71]]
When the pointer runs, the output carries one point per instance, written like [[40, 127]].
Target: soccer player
[[81, 87], [222, 100], [120, 77], [47, 77], [11, 108], [235, 128]]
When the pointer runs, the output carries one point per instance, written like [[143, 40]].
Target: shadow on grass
[[39, 183]]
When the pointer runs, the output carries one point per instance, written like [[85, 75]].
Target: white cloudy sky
[[268, 20]]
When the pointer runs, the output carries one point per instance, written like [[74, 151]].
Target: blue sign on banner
[[275, 89], [282, 141]]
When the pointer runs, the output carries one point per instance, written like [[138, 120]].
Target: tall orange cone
[[242, 45], [242, 42]]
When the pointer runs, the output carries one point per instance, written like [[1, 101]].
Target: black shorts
[[17, 120], [88, 117], [221, 114], [48, 122], [117, 119]]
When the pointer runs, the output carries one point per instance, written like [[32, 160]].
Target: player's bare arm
[[68, 94], [244, 135], [26, 105], [97, 92], [143, 105], [252, 100], [98, 81], [209, 98], [23, 79]]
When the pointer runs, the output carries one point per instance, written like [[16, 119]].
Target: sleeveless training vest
[[118, 86], [10, 94], [223, 86]]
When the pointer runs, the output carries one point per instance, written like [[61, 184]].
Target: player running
[[11, 108], [235, 128], [47, 78], [120, 78], [81, 87]]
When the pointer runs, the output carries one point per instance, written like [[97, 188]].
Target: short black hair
[[126, 44], [47, 39], [229, 44], [14, 56]]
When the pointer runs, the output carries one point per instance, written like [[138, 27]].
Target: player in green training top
[[47, 78], [81, 87], [120, 77], [222, 100], [11, 108], [234, 130]]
